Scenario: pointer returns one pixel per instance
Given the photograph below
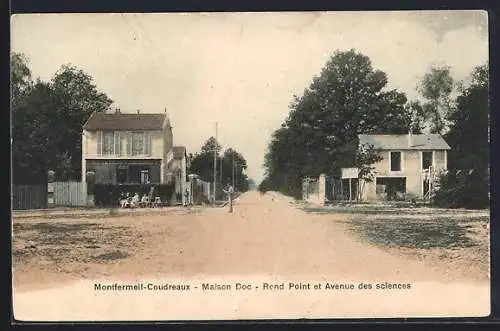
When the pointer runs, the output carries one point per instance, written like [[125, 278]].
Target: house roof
[[179, 151], [401, 141], [121, 121]]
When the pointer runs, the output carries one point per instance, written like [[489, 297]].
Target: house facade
[[409, 165], [127, 148], [178, 164]]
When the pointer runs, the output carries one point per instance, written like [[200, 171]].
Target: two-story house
[[126, 148], [404, 168]]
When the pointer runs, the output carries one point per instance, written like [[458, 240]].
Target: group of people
[[128, 200]]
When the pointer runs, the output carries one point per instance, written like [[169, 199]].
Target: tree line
[[47, 118], [230, 165], [350, 97]]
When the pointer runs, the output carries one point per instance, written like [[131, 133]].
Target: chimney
[[410, 140], [138, 111], [117, 110]]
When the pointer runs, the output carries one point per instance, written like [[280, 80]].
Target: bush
[[465, 189]]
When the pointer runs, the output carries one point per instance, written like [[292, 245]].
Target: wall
[[105, 170], [157, 150], [29, 197], [167, 152], [413, 172], [411, 169], [180, 186]]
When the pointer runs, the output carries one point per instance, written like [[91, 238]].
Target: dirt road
[[265, 240]]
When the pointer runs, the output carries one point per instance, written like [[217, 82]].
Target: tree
[[366, 156], [47, 119], [469, 133], [32, 134], [467, 182], [416, 116], [320, 133], [231, 164], [436, 87], [210, 145], [76, 97], [20, 77], [251, 184], [202, 164], [234, 165]]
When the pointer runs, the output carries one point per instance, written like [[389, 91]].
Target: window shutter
[[147, 143], [129, 143], [99, 143], [117, 144]]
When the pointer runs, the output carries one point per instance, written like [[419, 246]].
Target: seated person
[[135, 200], [145, 201], [157, 202], [125, 200]]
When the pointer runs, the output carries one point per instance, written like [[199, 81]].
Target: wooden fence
[[29, 197], [70, 194], [313, 190]]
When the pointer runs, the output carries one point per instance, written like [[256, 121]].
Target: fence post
[[322, 189], [50, 188]]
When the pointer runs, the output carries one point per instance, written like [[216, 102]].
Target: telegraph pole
[[215, 159], [236, 170], [221, 163], [232, 168]]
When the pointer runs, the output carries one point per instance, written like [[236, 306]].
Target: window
[[144, 176], [108, 144], [395, 161], [427, 160], [137, 143]]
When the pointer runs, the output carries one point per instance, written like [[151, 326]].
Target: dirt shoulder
[[457, 242]]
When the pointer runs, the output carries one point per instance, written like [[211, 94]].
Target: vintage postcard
[[248, 166]]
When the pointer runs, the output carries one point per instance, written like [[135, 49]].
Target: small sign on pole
[[349, 172]]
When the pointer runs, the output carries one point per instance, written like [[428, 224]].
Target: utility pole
[[215, 160], [232, 169], [221, 163], [236, 174]]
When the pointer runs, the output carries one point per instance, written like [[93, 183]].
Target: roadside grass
[[53, 244], [360, 209], [439, 232], [454, 239], [410, 227]]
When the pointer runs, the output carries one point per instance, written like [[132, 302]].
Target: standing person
[[186, 197], [229, 191], [151, 195]]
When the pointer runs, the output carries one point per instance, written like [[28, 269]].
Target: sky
[[240, 70]]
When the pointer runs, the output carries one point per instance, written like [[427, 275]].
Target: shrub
[[463, 189]]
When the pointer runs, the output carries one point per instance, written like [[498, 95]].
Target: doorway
[[391, 188], [122, 174]]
